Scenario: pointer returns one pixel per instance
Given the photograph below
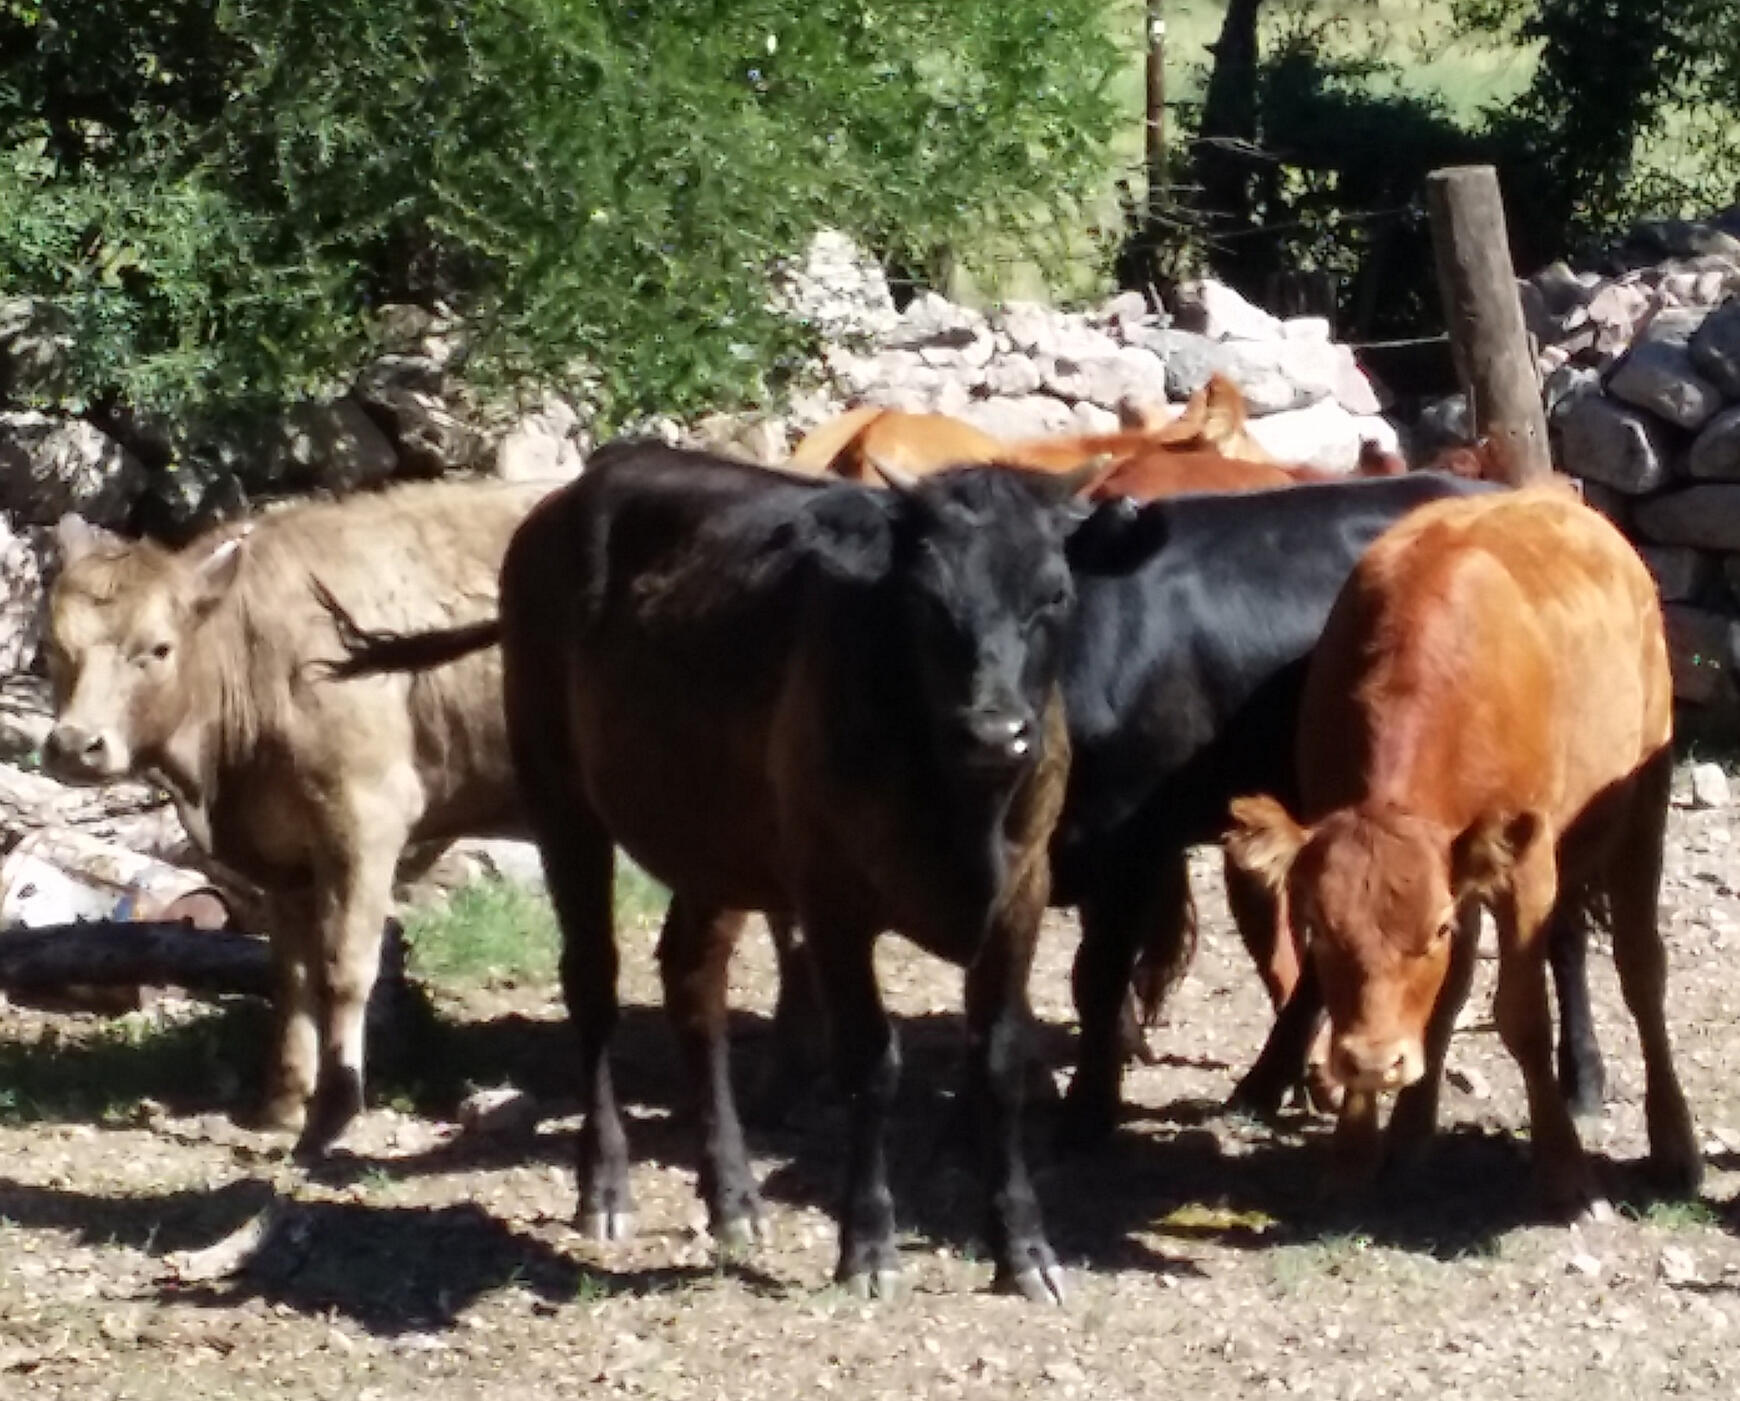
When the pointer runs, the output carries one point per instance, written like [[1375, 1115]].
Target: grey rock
[[1256, 367], [1609, 443], [35, 351], [1567, 384], [1702, 649], [1039, 331], [429, 434], [1560, 289], [1715, 349], [749, 437], [838, 288], [1659, 376], [1013, 375], [1715, 452], [1672, 325], [333, 445], [1681, 573], [50, 466], [933, 320], [1132, 373], [1707, 517], [22, 569], [548, 444], [1442, 423], [1320, 435], [1615, 505], [1214, 310], [1314, 329], [503, 1112], [1709, 786], [1031, 416], [1091, 418]]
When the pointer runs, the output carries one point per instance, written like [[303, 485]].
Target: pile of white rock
[[1021, 369], [1641, 364]]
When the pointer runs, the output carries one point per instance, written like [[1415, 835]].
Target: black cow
[[1182, 680], [816, 700]]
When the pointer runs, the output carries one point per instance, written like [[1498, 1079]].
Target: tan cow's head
[[1375, 892], [121, 618]]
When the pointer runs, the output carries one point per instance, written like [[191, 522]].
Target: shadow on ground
[[1168, 1179]]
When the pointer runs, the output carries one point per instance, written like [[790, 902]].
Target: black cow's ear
[[1116, 536], [848, 532]]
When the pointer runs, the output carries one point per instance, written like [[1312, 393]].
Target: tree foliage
[[217, 195]]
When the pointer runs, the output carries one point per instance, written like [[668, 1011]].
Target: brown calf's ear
[[1483, 857], [1264, 839], [77, 537]]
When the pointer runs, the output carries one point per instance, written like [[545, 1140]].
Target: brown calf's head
[[120, 617], [1375, 893]]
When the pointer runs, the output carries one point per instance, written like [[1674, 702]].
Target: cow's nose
[[69, 746], [1363, 1063], [1001, 737]]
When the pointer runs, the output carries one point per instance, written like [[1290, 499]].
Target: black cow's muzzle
[[998, 742]]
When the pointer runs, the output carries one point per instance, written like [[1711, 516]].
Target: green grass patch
[[99, 1073], [499, 932], [1675, 1216]]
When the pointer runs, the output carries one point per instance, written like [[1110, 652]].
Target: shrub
[[219, 193]]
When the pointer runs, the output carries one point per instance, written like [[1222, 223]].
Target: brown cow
[[1487, 721], [916, 443], [195, 668]]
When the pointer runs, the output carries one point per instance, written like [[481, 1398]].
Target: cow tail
[[373, 652]]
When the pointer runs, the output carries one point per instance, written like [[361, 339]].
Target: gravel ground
[[152, 1249]]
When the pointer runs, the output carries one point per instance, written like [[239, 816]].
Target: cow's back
[[1183, 677], [414, 558], [1505, 651]]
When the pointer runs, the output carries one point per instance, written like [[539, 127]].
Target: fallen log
[[139, 953]]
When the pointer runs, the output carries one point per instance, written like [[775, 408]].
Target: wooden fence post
[[1154, 125], [1487, 337]]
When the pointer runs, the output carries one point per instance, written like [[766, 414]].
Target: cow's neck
[[218, 730]]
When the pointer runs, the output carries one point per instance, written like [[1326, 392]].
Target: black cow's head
[[978, 560]]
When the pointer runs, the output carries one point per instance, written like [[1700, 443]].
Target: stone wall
[[1641, 369], [1020, 370]]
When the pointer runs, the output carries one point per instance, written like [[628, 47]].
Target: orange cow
[[916, 443], [1486, 721]]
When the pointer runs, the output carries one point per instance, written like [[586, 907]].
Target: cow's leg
[[352, 897], [1164, 958], [1416, 1113], [580, 870], [1137, 901], [1633, 891], [1275, 950], [694, 962], [1582, 1078], [867, 1062], [1286, 1051], [1526, 1028], [998, 1022], [295, 1053], [798, 1056]]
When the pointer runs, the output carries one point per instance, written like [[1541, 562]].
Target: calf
[[1487, 721], [815, 700], [195, 669]]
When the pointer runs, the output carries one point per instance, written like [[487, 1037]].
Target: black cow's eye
[[160, 653]]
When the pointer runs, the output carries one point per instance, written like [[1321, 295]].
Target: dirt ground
[[432, 1262]]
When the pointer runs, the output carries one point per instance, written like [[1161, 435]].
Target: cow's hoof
[[872, 1284], [1038, 1278], [1085, 1122], [608, 1224], [278, 1114], [740, 1235], [1676, 1174]]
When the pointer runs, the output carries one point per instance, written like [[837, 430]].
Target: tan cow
[[203, 670]]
